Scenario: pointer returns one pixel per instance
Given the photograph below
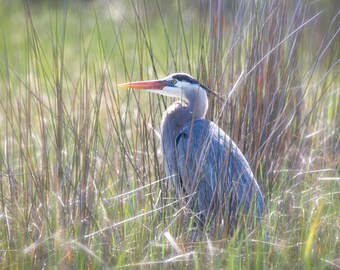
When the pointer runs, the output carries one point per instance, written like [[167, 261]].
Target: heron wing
[[213, 170]]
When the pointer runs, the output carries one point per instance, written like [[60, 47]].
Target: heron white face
[[177, 88], [179, 85]]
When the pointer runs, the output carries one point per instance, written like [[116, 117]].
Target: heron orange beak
[[151, 85]]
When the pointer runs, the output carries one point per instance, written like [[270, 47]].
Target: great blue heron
[[207, 166]]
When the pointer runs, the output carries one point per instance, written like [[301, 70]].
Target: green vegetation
[[81, 178]]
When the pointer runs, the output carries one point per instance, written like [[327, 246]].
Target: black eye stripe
[[186, 78]]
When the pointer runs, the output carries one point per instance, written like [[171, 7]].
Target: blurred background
[[81, 177]]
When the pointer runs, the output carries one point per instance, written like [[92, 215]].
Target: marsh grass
[[81, 179]]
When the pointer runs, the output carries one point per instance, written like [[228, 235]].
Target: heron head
[[178, 85]]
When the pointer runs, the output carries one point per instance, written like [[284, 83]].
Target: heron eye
[[173, 81]]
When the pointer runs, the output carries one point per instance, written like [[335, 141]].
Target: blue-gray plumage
[[207, 166], [217, 171]]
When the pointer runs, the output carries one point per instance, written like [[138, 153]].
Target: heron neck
[[180, 112], [174, 119], [197, 103]]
